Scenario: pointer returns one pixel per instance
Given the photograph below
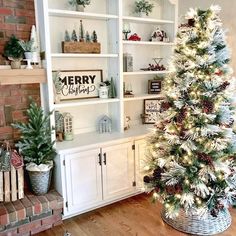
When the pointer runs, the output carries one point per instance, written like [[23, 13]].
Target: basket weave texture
[[195, 226]]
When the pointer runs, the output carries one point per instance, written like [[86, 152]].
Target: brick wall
[[31, 215], [16, 17]]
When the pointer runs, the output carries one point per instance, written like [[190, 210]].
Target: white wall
[[228, 16]]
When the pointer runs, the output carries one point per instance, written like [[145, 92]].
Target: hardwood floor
[[134, 216]]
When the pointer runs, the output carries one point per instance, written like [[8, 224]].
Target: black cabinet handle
[[105, 158], [99, 159]]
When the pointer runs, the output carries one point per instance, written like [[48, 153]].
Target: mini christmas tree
[[74, 36], [112, 89], [94, 37], [67, 36], [88, 39], [81, 31], [191, 153]]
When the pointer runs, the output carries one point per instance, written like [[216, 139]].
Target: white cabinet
[[118, 170], [140, 151], [97, 176], [83, 178]]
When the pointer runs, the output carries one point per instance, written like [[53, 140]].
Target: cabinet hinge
[[133, 147], [134, 184], [64, 162], [66, 204]]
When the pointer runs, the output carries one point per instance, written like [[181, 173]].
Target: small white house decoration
[[59, 126], [105, 125], [68, 126]]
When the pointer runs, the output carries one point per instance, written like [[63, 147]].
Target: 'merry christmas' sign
[[80, 84]]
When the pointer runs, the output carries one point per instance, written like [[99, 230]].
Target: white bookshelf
[[107, 17], [146, 20], [133, 73], [147, 43], [84, 15], [142, 97], [84, 55]]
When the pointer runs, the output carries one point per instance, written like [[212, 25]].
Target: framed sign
[[151, 109], [154, 86], [79, 84]]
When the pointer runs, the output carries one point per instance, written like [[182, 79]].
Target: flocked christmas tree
[[74, 36], [191, 152]]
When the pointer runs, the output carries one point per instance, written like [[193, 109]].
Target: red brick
[[23, 27], [28, 206], [23, 12], [28, 227], [11, 212], [16, 92], [4, 219], [30, 86], [12, 100], [6, 129], [57, 211], [6, 136], [19, 114], [14, 3], [51, 219], [38, 230], [30, 20], [20, 210], [37, 208], [6, 11], [4, 26], [58, 223], [44, 202], [4, 92], [10, 232], [1, 19]]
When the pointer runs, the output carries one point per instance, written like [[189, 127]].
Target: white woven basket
[[195, 226]]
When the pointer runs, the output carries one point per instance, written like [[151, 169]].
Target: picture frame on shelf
[[151, 110], [154, 86], [80, 84]]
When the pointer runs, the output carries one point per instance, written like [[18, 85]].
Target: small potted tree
[[37, 148], [14, 52], [143, 8], [28, 48], [79, 4]]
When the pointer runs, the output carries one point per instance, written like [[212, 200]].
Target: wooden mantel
[[22, 76]]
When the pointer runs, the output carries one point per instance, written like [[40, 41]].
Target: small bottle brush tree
[[84, 3], [74, 36], [94, 37], [67, 36], [81, 31], [191, 153], [87, 38]]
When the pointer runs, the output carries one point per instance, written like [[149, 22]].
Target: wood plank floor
[[134, 216]]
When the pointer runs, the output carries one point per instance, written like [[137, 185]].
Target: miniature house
[[68, 126], [105, 125]]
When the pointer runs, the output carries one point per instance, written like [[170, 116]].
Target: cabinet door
[[83, 177], [140, 147], [118, 170]]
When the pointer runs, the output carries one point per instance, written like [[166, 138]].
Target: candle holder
[[126, 32]]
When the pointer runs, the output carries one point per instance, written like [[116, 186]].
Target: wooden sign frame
[[151, 109], [154, 86], [80, 84]]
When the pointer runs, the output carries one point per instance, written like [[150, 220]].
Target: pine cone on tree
[[165, 106], [205, 158], [208, 106], [181, 116], [223, 86], [146, 179], [214, 212], [191, 22], [157, 173]]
